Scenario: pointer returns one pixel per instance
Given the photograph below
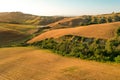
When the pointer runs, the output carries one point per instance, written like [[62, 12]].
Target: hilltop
[[13, 34], [103, 31], [85, 20], [22, 18]]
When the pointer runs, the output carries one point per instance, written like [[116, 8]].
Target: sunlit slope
[[27, 29], [33, 64], [104, 31], [22, 18], [66, 22], [17, 17]]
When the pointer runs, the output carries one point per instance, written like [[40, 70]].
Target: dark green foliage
[[102, 20], [87, 20], [116, 18], [109, 19], [47, 44], [84, 48], [94, 20], [118, 32], [117, 59]]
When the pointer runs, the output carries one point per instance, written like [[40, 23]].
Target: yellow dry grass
[[20, 63], [104, 31], [27, 29], [62, 21]]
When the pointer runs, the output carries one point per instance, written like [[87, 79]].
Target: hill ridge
[[104, 31]]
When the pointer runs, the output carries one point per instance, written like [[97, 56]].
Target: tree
[[102, 20], [94, 20], [117, 59], [118, 32], [116, 17], [109, 19]]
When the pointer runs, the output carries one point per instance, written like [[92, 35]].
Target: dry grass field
[[27, 29], [7, 36], [10, 33], [63, 21], [22, 63], [104, 31]]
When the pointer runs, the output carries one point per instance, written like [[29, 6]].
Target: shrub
[[117, 59], [118, 32], [98, 49]]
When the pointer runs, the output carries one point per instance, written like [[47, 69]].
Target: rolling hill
[[22, 18], [85, 20], [103, 31], [8, 36], [66, 22], [16, 17], [34, 64], [13, 34]]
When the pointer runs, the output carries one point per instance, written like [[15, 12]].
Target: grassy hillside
[[11, 37], [33, 64], [29, 29], [66, 22], [57, 21], [86, 20], [21, 18], [103, 31], [16, 17], [13, 34]]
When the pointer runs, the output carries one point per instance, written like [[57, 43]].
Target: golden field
[[103, 31], [27, 63]]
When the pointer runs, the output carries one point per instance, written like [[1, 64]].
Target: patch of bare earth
[[21, 63]]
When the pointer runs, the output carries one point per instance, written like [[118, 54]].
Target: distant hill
[[57, 21], [103, 31], [86, 20], [21, 18]]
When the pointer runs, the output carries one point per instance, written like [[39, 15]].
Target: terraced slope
[[104, 31], [20, 63]]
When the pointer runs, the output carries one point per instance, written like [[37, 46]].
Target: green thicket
[[84, 48], [114, 17], [90, 19]]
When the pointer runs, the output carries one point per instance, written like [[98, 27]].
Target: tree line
[[88, 20]]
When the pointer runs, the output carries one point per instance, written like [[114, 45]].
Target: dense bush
[[117, 59], [84, 48], [87, 20], [118, 32]]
